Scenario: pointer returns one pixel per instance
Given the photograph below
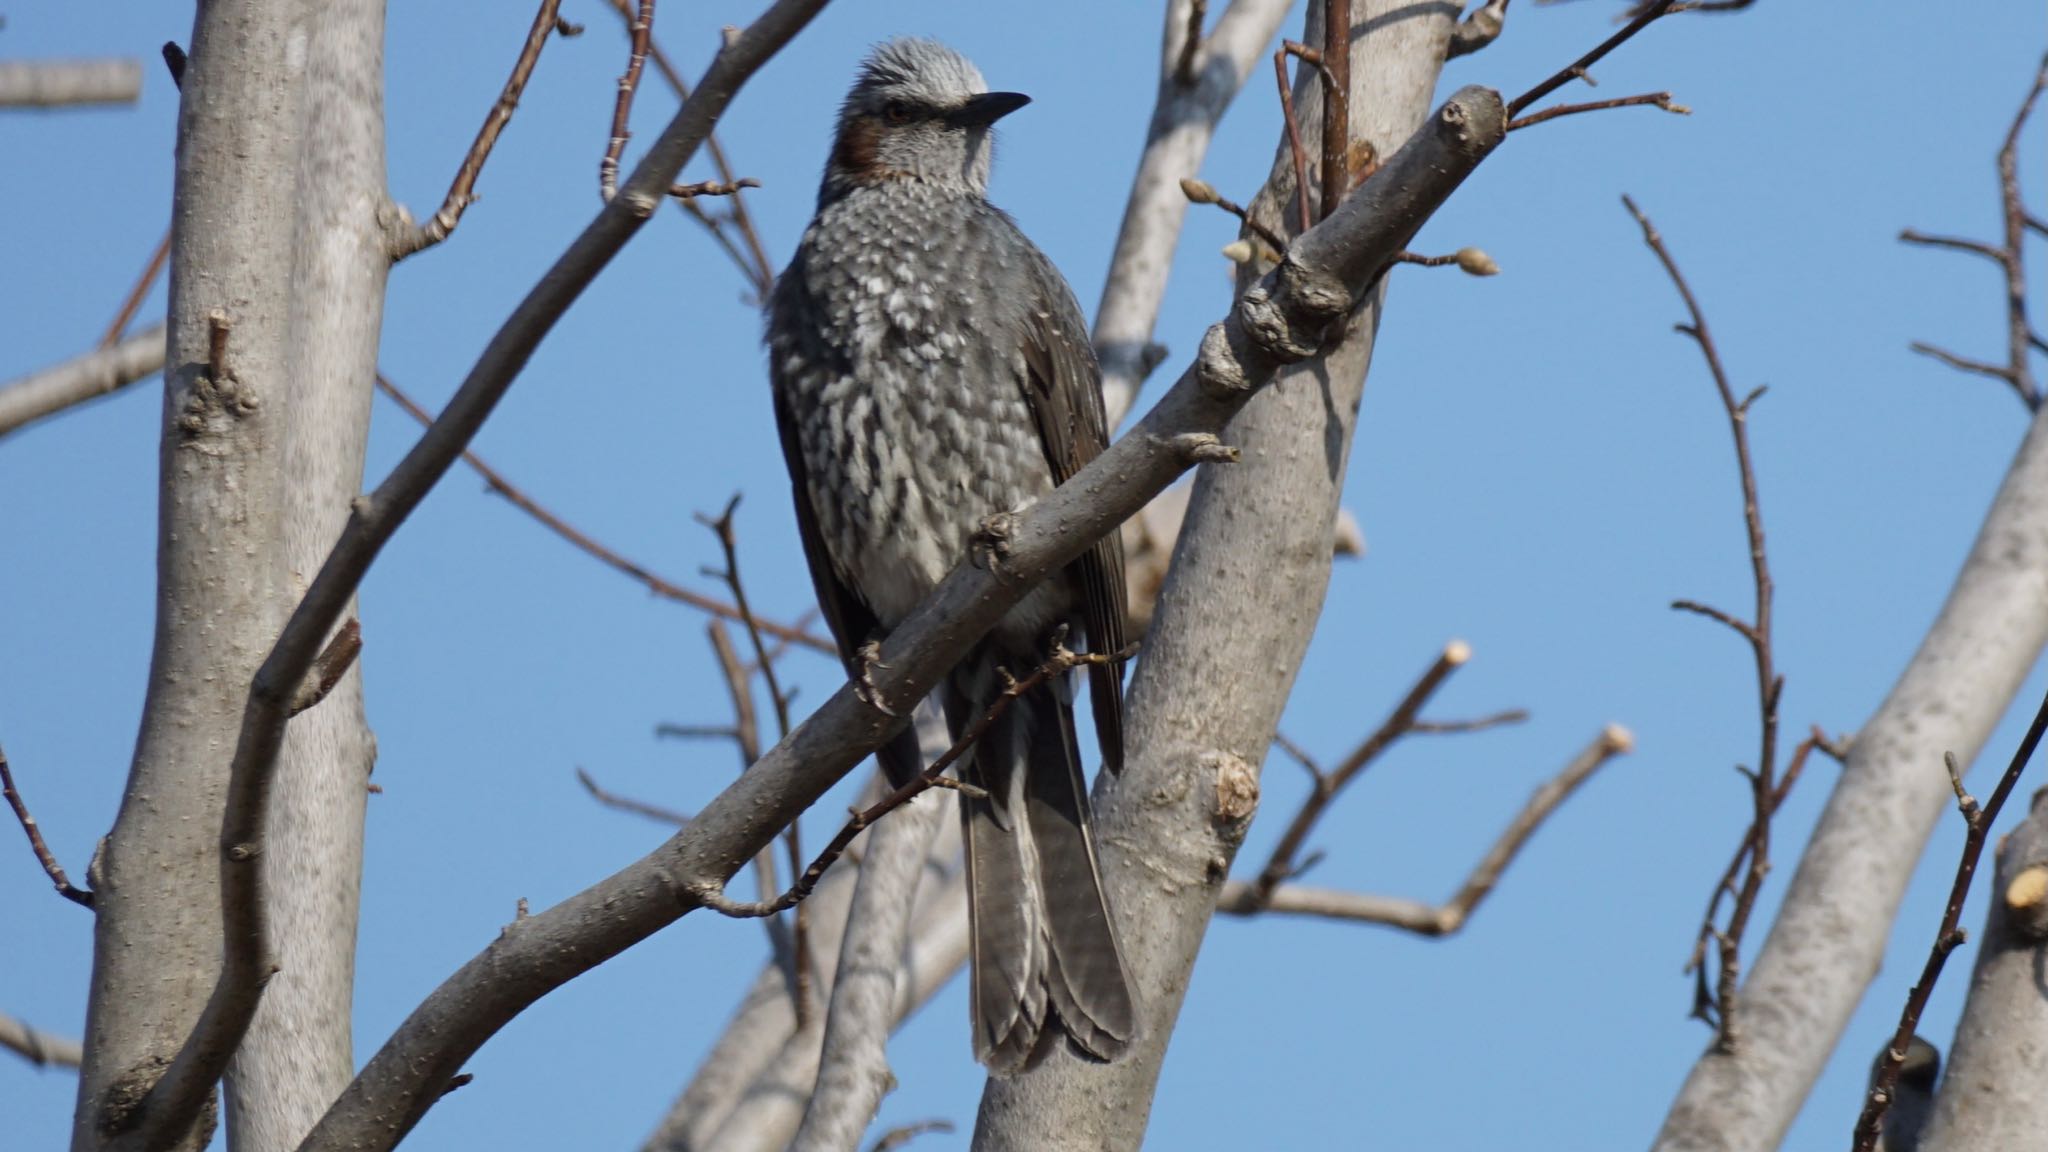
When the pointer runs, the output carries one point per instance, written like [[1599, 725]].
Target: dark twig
[[1293, 131], [1202, 192], [65, 888], [462, 192], [329, 667], [1336, 73], [1184, 68], [1764, 792], [1705, 1005], [1282, 864], [728, 542], [1579, 69], [1499, 719], [1242, 899], [2021, 341], [753, 263], [1061, 661], [140, 292], [1473, 261], [712, 188], [903, 1134], [622, 110], [1950, 936], [668, 817], [1655, 99], [659, 586]]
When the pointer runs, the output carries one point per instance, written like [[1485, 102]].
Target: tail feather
[[1044, 948]]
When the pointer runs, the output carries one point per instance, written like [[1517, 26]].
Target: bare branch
[[462, 193], [1949, 936], [1956, 243], [27, 399], [1184, 118], [1480, 27], [664, 588], [1242, 899], [1578, 69], [69, 83], [1291, 308], [901, 1135], [1653, 99], [622, 110], [668, 817], [65, 888], [132, 303], [38, 1047]]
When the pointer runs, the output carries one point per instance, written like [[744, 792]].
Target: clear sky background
[[1541, 468]]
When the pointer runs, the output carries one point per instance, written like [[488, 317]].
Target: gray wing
[[1063, 387]]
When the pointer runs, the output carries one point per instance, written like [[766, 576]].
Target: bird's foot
[[864, 684]]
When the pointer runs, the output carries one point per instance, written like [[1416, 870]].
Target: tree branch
[[1280, 320], [496, 482], [462, 192], [1242, 899], [65, 888], [38, 1047], [1949, 936], [38, 395], [69, 83]]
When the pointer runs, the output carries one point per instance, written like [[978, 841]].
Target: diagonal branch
[[27, 399], [48, 859], [496, 482], [462, 193], [39, 1047], [1243, 899], [1279, 321]]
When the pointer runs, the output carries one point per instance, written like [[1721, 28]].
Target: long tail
[[1045, 955]]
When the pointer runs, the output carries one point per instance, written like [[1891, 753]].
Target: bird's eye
[[896, 112]]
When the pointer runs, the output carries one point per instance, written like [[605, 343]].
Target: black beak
[[987, 108]]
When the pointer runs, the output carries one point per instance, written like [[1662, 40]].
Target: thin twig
[[712, 188], [752, 263], [1655, 99], [65, 888], [1764, 791], [903, 1134], [1202, 192], [1579, 69], [132, 303], [1293, 136], [1245, 899], [659, 586], [668, 817], [1950, 935], [1336, 73], [1061, 661], [622, 110], [1282, 864], [2021, 340], [462, 192]]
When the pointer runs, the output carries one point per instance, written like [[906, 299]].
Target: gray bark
[[1183, 122], [220, 595], [44, 393], [1240, 602], [297, 1056], [69, 83], [1991, 1099], [1830, 934], [853, 1067]]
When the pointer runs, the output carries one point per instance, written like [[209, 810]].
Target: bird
[[930, 368]]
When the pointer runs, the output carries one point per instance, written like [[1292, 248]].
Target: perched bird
[[931, 369]]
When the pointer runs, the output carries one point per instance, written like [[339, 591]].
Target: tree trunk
[[221, 593], [297, 1055], [1232, 624]]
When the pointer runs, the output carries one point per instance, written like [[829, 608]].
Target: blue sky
[[1541, 467]]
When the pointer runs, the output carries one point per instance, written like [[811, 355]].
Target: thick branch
[[69, 83], [1276, 322], [1184, 120], [27, 399]]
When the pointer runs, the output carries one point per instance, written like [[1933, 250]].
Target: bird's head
[[918, 111]]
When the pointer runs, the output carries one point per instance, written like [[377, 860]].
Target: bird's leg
[[870, 655]]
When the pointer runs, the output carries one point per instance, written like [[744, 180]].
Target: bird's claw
[[864, 684]]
